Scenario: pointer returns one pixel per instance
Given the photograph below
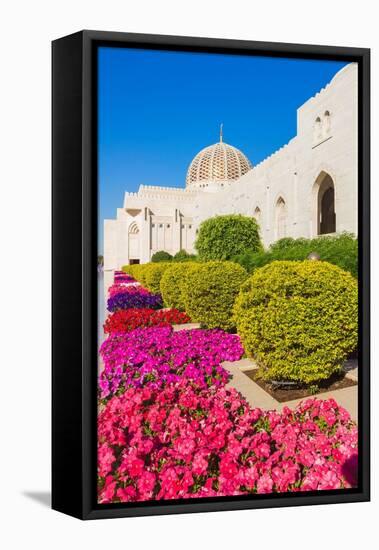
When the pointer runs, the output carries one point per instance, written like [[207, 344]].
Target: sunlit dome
[[217, 165]]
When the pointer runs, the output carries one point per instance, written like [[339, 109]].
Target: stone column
[[176, 231]]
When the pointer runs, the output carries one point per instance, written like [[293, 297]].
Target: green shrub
[[131, 270], [152, 275], [172, 284], [299, 320], [184, 256], [340, 250], [222, 237], [161, 256], [251, 260], [209, 291], [127, 269], [138, 271]]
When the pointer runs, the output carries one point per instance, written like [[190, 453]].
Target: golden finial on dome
[[221, 125]]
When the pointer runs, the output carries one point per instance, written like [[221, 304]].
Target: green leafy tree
[[222, 237]]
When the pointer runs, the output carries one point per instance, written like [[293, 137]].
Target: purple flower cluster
[[157, 356], [134, 297], [121, 277]]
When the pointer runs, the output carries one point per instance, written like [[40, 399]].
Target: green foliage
[[131, 269], [222, 237], [161, 256], [209, 291], [147, 274], [299, 320], [340, 250], [152, 275], [184, 256], [172, 283], [137, 271]]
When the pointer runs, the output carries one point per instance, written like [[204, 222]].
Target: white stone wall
[[292, 172], [325, 143], [164, 220]]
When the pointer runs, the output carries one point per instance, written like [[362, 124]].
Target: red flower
[[125, 320]]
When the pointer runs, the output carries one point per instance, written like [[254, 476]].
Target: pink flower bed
[[122, 277], [168, 427], [155, 356], [182, 441]]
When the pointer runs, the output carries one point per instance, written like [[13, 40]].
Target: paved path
[[346, 397], [257, 397], [185, 326]]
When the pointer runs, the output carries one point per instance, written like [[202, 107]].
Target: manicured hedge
[[137, 271], [184, 256], [161, 256], [340, 250], [153, 273], [209, 292], [299, 320], [172, 282], [223, 237]]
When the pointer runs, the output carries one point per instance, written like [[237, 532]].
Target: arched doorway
[[326, 210], [281, 218], [257, 215], [133, 244]]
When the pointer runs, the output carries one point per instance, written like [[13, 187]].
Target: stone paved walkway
[[257, 397], [185, 326]]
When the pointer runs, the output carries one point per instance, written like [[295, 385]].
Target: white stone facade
[[306, 188]]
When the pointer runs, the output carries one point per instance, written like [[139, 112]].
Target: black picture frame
[[74, 272]]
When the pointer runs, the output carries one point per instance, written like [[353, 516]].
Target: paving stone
[[351, 369], [257, 397], [346, 397], [185, 326], [243, 364], [254, 395]]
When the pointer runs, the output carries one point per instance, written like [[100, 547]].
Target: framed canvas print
[[210, 275]]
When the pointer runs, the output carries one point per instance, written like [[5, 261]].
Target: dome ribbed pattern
[[217, 163]]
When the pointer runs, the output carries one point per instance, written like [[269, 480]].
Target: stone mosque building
[[309, 187]]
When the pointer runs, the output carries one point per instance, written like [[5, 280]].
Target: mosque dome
[[217, 165]]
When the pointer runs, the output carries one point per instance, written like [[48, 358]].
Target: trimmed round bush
[[172, 283], [223, 237], [153, 274], [209, 292], [299, 320], [161, 256]]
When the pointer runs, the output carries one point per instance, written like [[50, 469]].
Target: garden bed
[[171, 425], [335, 382]]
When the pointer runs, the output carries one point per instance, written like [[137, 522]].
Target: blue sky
[[157, 109]]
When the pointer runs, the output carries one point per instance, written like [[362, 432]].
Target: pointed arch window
[[257, 214], [281, 218]]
